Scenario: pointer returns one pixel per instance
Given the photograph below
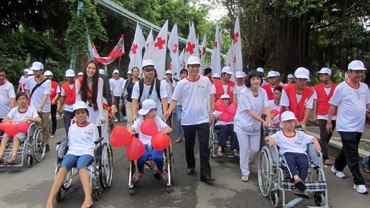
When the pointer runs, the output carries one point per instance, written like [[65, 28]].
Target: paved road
[[30, 187]]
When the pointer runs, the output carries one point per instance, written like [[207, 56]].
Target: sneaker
[[115, 120], [339, 174], [47, 148], [245, 178], [360, 188], [52, 136]]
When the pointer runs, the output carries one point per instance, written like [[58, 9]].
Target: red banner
[[116, 52]]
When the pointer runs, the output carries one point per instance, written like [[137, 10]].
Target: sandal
[[300, 185], [164, 176], [179, 139], [328, 162], [366, 168], [219, 153], [12, 160], [236, 153], [136, 177]]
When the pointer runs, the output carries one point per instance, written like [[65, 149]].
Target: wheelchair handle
[[99, 140]]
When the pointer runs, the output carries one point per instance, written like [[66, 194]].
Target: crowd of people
[[261, 102]]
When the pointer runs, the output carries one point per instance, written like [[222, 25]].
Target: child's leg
[[302, 164], [142, 159], [4, 140], [291, 162], [15, 146], [59, 179], [158, 159], [83, 163]]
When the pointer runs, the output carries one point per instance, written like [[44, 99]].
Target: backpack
[[157, 88]]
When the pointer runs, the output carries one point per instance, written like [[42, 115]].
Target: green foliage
[[14, 70]]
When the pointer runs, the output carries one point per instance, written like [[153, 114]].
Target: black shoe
[[190, 171], [47, 148], [207, 178]]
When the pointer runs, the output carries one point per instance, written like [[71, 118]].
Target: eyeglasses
[[148, 69]]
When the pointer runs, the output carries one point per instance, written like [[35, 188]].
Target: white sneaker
[[115, 120], [339, 174], [360, 188], [245, 178]]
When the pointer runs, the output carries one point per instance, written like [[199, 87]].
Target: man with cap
[[170, 87], [80, 74], [298, 97], [129, 74], [273, 81], [7, 95], [54, 95], [116, 84], [225, 85], [194, 92], [352, 99], [146, 88], [38, 89], [324, 91], [239, 85], [216, 76], [261, 71], [290, 79], [22, 81], [208, 73], [67, 98]]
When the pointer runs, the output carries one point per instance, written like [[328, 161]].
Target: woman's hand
[[102, 120]]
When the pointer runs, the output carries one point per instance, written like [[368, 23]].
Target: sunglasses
[[148, 69]]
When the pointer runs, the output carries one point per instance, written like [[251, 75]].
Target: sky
[[217, 11]]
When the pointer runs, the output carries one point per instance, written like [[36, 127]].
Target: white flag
[[238, 58], [173, 47], [182, 61], [216, 54], [159, 51], [149, 46], [137, 49], [191, 48], [203, 52], [230, 60]]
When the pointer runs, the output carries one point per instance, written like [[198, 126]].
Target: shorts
[[83, 161], [20, 136]]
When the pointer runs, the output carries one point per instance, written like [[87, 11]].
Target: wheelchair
[[213, 142], [31, 149], [168, 162], [100, 170], [272, 171]]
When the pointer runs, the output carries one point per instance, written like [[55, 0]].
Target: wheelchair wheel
[[29, 161], [265, 171], [318, 198], [274, 197], [96, 194], [68, 181], [170, 169], [39, 145], [106, 166]]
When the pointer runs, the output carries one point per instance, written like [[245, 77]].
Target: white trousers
[[249, 146]]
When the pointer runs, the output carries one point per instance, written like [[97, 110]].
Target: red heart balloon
[[11, 130], [135, 149], [23, 127], [231, 109], [274, 113], [225, 117], [4, 125], [120, 136], [149, 127], [160, 141], [220, 105]]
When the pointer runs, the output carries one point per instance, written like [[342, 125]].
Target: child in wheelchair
[[81, 137], [149, 111], [19, 114], [293, 146]]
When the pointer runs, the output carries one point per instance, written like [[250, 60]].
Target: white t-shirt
[[238, 88], [6, 93], [67, 107], [195, 98], [351, 104], [81, 139], [294, 144], [146, 139], [116, 85], [284, 100], [44, 89], [17, 116], [168, 89], [153, 96], [243, 122]]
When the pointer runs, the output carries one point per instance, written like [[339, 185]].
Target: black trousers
[[67, 117], [325, 137], [203, 137], [53, 113], [348, 155]]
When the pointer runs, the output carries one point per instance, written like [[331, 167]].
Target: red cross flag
[[149, 46], [182, 61], [203, 52], [191, 47], [116, 52], [173, 47], [238, 65], [137, 49], [159, 51], [216, 53], [230, 60]]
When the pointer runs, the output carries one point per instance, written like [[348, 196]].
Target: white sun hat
[[48, 73], [272, 74], [168, 72], [70, 73], [80, 74], [193, 60], [302, 73], [79, 105], [290, 76], [147, 105], [227, 70], [356, 65], [239, 74], [115, 71], [288, 115], [225, 96], [260, 69], [37, 66], [147, 62], [216, 75]]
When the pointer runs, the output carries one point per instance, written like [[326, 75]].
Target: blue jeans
[[178, 115], [82, 161], [157, 157], [297, 161], [225, 132], [116, 101]]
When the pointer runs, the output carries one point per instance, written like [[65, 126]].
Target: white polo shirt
[[146, 139], [44, 89], [6, 93], [81, 139], [17, 116], [238, 88], [116, 85], [294, 144], [195, 99], [351, 104]]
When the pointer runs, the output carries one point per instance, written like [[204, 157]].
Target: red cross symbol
[[203, 50], [174, 48], [134, 47], [234, 59], [236, 35], [216, 44], [160, 42], [190, 47]]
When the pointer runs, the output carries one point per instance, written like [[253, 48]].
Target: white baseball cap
[[260, 69], [239, 74], [168, 72], [216, 75], [115, 71], [25, 70], [325, 70], [225, 96], [101, 71], [277, 73], [30, 72], [79, 105], [48, 73], [302, 73], [272, 74], [129, 72], [193, 60], [147, 62], [290, 76], [147, 105], [356, 65], [70, 73], [37, 66], [227, 70], [80, 74], [288, 115]]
